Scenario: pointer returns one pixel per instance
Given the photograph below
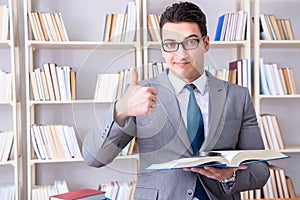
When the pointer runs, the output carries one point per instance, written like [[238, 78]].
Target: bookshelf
[[88, 55], [284, 53], [9, 105]]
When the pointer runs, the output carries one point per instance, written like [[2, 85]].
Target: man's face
[[188, 65]]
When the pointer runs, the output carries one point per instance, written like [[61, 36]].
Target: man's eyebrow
[[187, 37], [192, 35]]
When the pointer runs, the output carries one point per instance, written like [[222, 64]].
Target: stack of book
[[47, 26], [118, 191], [54, 142], [6, 144], [232, 27], [4, 22], [275, 29], [275, 80], [153, 27], [121, 27], [270, 131], [54, 83], [5, 86]]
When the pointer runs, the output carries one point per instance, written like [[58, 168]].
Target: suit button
[[190, 192]]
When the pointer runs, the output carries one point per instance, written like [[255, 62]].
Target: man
[[156, 112]]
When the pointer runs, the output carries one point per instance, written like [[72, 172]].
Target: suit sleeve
[[102, 145]]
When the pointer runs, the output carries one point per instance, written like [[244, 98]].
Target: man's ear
[[206, 43]]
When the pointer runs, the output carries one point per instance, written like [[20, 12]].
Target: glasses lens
[[170, 46], [190, 44]]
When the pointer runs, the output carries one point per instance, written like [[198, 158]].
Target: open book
[[226, 159]]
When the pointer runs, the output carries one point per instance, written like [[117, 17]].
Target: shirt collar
[[179, 84]]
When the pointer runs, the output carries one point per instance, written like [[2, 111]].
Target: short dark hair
[[184, 12]]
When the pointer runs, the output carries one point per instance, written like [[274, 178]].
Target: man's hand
[[216, 173], [137, 100]]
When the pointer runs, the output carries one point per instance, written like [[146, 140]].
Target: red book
[[86, 194]]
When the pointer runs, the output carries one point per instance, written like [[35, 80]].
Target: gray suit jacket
[[162, 136]]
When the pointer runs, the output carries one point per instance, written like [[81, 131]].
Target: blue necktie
[[195, 125], [195, 128]]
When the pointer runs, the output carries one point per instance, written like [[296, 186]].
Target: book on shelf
[[121, 27], [276, 29], [271, 132], [153, 27], [231, 27], [4, 22], [54, 83], [54, 142], [222, 159], [87, 193], [106, 87], [43, 192], [5, 86], [7, 191], [277, 184], [290, 186], [6, 144], [276, 80], [47, 26], [118, 191]]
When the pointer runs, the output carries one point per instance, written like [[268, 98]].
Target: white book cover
[[107, 85], [66, 70], [61, 83], [40, 143], [7, 145], [64, 144]]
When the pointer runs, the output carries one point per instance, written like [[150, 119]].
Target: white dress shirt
[[201, 93]]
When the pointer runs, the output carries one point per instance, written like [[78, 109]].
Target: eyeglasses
[[189, 44]]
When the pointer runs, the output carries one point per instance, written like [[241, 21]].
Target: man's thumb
[[134, 76]]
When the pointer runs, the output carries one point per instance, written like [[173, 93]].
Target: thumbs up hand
[[137, 100]]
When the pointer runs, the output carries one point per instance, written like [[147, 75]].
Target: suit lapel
[[216, 113], [170, 105]]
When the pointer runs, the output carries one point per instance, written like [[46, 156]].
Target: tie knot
[[190, 87]]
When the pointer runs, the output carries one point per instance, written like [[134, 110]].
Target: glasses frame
[[182, 44]]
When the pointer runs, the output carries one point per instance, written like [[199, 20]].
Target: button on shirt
[[201, 93]]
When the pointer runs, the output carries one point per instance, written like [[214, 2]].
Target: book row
[[5, 86], [54, 142], [232, 27], [43, 192], [4, 22], [111, 86], [6, 145], [47, 26], [278, 186], [273, 28], [7, 192], [54, 83], [270, 131], [153, 27], [276, 80], [237, 72], [118, 191], [121, 27]]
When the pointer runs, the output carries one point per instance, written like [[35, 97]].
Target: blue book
[[219, 28]]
